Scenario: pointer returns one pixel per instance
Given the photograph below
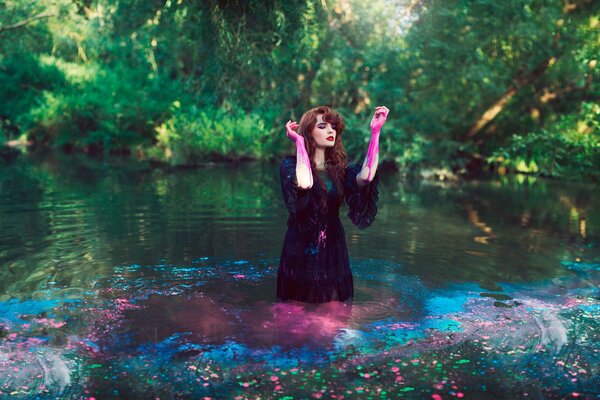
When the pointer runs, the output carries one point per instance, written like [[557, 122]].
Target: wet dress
[[314, 266]]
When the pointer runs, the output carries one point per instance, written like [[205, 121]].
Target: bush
[[569, 149], [193, 135], [109, 108]]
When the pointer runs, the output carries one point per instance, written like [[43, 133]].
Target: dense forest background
[[473, 85]]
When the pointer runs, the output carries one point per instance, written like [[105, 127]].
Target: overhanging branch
[[27, 21]]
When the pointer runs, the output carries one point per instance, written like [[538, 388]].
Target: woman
[[314, 265]]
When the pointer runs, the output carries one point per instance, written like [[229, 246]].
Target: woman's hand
[[290, 129], [379, 118]]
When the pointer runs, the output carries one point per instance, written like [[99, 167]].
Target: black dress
[[314, 266]]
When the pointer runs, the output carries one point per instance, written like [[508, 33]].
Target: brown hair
[[336, 158]]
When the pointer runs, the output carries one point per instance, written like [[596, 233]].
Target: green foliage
[[23, 80], [101, 108], [194, 135], [570, 148], [459, 58], [102, 75]]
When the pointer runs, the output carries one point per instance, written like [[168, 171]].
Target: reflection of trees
[[474, 219], [578, 208], [54, 237], [522, 230], [69, 221]]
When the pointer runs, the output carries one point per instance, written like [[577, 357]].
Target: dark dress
[[314, 266]]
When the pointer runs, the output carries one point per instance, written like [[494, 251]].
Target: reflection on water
[[127, 282]]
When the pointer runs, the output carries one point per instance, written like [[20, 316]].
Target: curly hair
[[336, 158]]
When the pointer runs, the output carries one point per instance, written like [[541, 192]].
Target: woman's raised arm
[[369, 166], [303, 170]]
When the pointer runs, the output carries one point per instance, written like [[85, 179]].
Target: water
[[122, 281]]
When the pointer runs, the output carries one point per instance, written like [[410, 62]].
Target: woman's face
[[324, 133]]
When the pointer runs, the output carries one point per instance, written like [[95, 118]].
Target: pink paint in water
[[291, 325], [396, 326], [32, 341]]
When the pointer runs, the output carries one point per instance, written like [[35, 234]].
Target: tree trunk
[[498, 106], [521, 82]]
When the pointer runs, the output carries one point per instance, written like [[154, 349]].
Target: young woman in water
[[314, 264]]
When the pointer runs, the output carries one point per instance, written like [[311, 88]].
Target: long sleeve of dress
[[299, 202], [362, 201]]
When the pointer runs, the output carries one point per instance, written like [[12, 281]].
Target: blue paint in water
[[443, 324], [230, 353], [581, 266], [239, 351], [441, 305], [14, 309], [590, 307]]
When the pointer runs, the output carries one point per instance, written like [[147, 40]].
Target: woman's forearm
[[373, 154], [369, 167], [371, 160], [303, 169]]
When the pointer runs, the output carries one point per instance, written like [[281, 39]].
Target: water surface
[[122, 281]]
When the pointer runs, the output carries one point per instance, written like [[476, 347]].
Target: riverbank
[[148, 159]]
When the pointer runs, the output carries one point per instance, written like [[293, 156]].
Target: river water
[[118, 280]]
